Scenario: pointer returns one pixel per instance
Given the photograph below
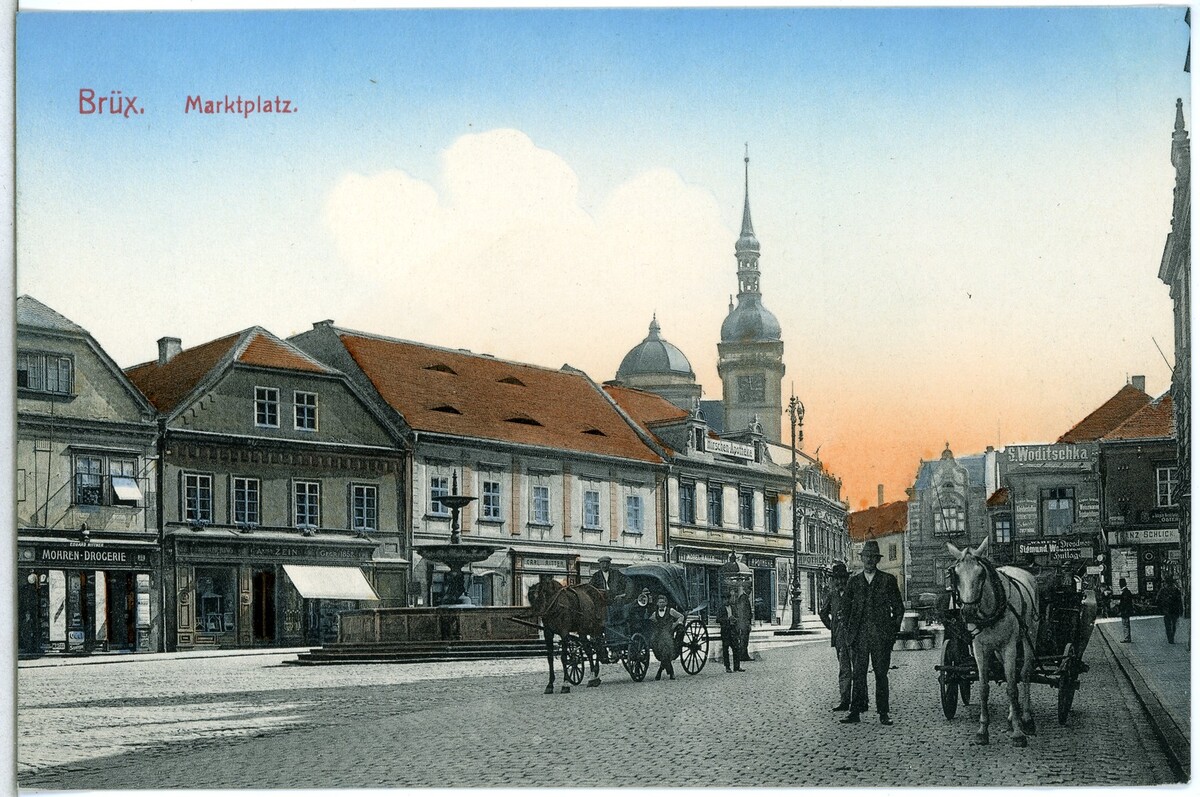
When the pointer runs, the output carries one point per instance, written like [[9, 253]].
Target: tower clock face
[[752, 389]]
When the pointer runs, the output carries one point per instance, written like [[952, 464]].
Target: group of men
[[863, 613]]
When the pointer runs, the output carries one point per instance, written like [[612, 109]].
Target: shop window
[[491, 500], [364, 507], [771, 513], [746, 508], [1002, 530], [197, 498], [716, 504], [687, 502], [633, 514], [306, 505], [246, 494], [216, 600], [439, 486], [305, 411], [539, 499], [591, 509], [1058, 510], [45, 373], [266, 407], [1167, 479]]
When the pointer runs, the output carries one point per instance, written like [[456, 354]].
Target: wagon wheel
[[637, 657], [576, 659], [693, 652], [951, 683], [1068, 679]]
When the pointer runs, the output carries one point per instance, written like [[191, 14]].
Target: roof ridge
[[460, 352]]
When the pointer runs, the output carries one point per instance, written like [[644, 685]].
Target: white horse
[[1000, 607]]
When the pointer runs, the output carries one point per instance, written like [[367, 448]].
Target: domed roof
[[750, 321], [655, 356]]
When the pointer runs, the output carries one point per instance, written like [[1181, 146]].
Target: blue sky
[[943, 195]]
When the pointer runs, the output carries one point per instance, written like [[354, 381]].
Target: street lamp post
[[796, 413]]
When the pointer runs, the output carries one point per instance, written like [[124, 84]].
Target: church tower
[[750, 354]]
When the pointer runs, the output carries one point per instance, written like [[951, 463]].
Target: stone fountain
[[455, 555]]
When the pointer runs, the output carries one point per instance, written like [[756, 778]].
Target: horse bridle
[[1001, 600]]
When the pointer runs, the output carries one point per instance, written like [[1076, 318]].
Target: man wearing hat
[[609, 580], [833, 615], [874, 610]]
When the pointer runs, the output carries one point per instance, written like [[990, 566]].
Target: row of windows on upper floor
[[716, 506], [246, 503], [267, 409]]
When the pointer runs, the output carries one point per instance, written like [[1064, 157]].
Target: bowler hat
[[604, 559], [870, 547], [839, 569]]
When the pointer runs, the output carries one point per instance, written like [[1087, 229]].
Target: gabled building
[[282, 489], [560, 477], [723, 497], [945, 504], [886, 524], [88, 564], [1140, 499]]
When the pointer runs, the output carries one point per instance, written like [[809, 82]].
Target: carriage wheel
[[576, 659], [951, 683], [693, 652], [1068, 679], [637, 657]]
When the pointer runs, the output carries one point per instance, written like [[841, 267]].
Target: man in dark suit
[[874, 610], [833, 615], [609, 580]]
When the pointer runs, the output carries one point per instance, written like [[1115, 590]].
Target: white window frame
[[539, 504], [1002, 530], [264, 406], [634, 513], [438, 486], [592, 523], [1166, 482], [304, 395], [243, 489], [364, 507], [197, 497], [94, 477], [307, 492], [38, 366], [491, 498]]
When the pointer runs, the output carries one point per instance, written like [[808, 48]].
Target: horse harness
[[1000, 596]]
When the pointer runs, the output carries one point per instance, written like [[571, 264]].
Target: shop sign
[[1058, 455], [819, 560], [1144, 537], [274, 551], [91, 555], [760, 562], [543, 563], [1026, 511], [729, 448], [1089, 510], [1058, 550], [695, 556]]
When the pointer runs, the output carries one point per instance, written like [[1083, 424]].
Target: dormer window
[[441, 368], [699, 438], [511, 380], [446, 408], [523, 419], [595, 432]]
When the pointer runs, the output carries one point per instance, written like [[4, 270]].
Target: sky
[[961, 211]]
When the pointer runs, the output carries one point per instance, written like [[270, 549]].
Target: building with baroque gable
[[86, 484], [559, 475], [282, 491]]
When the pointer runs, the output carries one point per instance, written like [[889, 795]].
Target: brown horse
[[578, 610]]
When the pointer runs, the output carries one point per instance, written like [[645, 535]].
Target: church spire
[[747, 226], [746, 249]]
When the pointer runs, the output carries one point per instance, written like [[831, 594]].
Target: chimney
[[168, 348], [1138, 382], [880, 496], [328, 322]]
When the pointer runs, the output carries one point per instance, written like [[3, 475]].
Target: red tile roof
[[168, 384], [646, 409], [1108, 416], [998, 498], [459, 393], [1155, 420], [879, 521]]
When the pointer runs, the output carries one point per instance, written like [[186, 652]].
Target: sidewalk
[[145, 658], [1160, 675]]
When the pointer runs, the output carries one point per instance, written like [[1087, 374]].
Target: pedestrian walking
[[832, 613], [730, 639], [743, 615], [1103, 599], [1125, 609], [662, 636], [1170, 603], [874, 610]]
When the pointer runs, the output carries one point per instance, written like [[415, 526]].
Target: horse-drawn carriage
[[1057, 634], [593, 632]]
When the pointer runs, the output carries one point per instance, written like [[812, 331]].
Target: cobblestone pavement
[[252, 722]]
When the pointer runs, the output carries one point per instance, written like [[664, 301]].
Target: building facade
[[1141, 500], [560, 477], [886, 524], [282, 494], [88, 564]]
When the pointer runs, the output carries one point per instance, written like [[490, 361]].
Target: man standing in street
[[874, 610], [1170, 603], [832, 613], [1125, 609], [730, 637]]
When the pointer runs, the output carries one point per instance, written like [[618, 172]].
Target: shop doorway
[[262, 606], [121, 610], [764, 591]]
